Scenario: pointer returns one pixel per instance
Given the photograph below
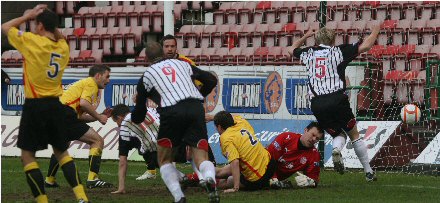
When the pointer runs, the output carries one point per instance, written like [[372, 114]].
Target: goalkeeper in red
[[296, 153]]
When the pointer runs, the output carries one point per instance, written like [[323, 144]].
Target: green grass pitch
[[350, 187]]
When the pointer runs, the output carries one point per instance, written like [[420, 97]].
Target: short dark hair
[[316, 125], [49, 20], [167, 37], [99, 68], [224, 119], [120, 110], [154, 51]]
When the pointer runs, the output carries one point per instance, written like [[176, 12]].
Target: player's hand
[[102, 119], [108, 112], [208, 117], [376, 27], [32, 14], [119, 191], [309, 33], [231, 190], [304, 181], [133, 97]]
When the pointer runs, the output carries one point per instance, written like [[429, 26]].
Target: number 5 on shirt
[[320, 66], [169, 71], [54, 64]]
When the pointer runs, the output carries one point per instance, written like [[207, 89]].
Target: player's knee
[[203, 144]]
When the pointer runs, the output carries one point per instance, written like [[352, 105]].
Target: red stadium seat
[[157, 21], [298, 14], [270, 35], [284, 36], [232, 55], [245, 14], [217, 37], [218, 55], [145, 21], [133, 17], [244, 36], [95, 39], [107, 40], [257, 36]]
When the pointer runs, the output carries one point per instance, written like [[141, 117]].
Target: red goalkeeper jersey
[[291, 157]]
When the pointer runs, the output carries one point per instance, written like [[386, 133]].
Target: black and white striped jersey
[[171, 78], [326, 66], [146, 131]]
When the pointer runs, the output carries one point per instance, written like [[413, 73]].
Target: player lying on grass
[[296, 153], [250, 165], [142, 136]]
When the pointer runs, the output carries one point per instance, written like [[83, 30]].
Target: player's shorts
[[263, 182], [125, 146], [75, 128], [333, 113], [183, 123], [43, 122]]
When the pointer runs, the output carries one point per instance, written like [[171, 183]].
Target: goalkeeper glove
[[274, 183], [304, 181]]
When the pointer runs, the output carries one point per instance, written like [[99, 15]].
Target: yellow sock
[[80, 193], [92, 175], [153, 172], [41, 199], [50, 180], [94, 163]]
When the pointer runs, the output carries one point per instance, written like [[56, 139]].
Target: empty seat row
[[11, 57], [78, 56], [117, 41], [149, 17], [251, 12]]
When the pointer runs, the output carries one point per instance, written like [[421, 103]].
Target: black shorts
[[126, 146], [75, 128], [333, 113], [183, 123], [43, 122], [263, 181]]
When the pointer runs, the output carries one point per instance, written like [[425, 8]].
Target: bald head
[[154, 51]]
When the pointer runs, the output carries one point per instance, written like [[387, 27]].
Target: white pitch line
[[412, 186]]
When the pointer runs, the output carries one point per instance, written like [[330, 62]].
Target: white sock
[[361, 151], [170, 177], [207, 169], [339, 142], [196, 170]]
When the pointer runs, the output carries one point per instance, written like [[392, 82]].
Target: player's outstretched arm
[[122, 172], [235, 169], [88, 108], [369, 41], [300, 41], [26, 16], [140, 109]]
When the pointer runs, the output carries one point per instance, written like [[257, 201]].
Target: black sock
[[53, 166]]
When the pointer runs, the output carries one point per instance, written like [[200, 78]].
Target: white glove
[[304, 181]]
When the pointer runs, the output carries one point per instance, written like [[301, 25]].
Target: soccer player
[[142, 136], [80, 100], [296, 153], [43, 119], [250, 165], [326, 66], [168, 82]]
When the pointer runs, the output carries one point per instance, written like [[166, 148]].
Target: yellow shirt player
[[46, 55], [86, 89], [250, 164], [81, 100]]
